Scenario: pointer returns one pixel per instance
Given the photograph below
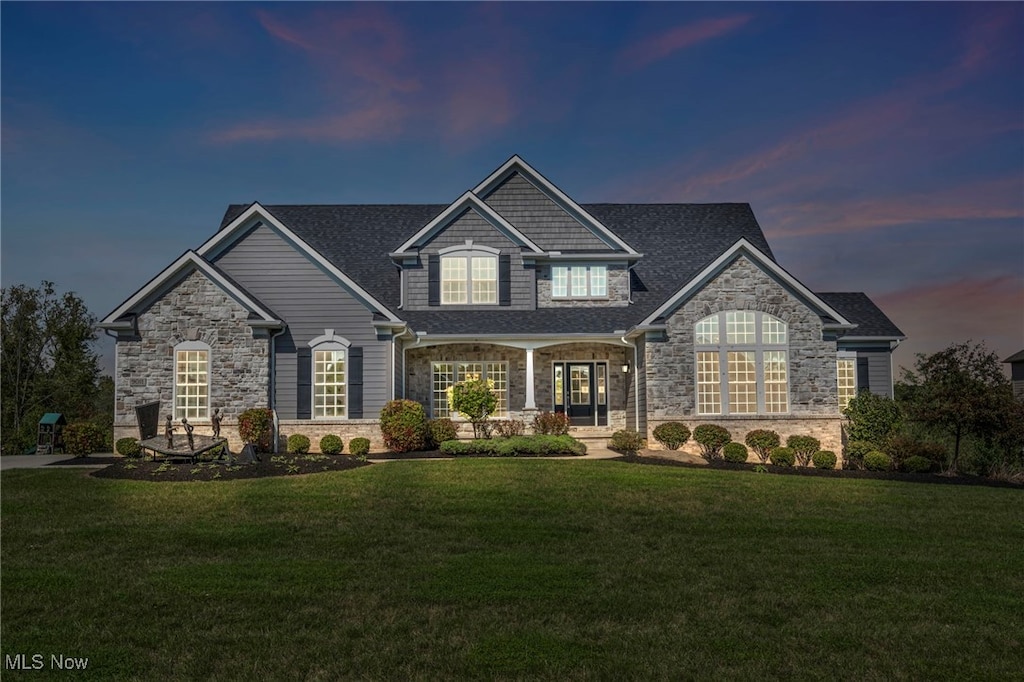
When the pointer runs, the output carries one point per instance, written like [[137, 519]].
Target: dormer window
[[469, 274], [579, 281]]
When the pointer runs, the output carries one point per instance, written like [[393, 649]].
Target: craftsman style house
[[619, 315]]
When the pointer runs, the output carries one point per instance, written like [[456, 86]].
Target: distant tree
[[47, 360], [961, 390]]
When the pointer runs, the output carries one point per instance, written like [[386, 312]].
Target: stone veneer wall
[[195, 309], [347, 429], [618, 290], [671, 381]]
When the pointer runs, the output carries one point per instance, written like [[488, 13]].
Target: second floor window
[[579, 281], [469, 279]]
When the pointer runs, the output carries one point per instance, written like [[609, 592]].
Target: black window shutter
[[504, 279], [355, 383], [304, 385], [433, 280], [863, 382]]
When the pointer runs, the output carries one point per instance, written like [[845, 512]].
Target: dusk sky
[[880, 145]]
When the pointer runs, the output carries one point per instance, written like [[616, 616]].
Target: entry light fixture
[[625, 368]]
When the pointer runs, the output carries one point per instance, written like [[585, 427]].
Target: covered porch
[[591, 380]]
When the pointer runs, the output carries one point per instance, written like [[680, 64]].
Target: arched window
[[330, 381], [469, 275], [192, 380], [742, 361]]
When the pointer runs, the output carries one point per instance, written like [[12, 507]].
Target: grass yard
[[504, 569]]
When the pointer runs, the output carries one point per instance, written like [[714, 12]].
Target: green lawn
[[513, 569]]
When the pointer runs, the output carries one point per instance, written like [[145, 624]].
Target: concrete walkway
[[39, 461]]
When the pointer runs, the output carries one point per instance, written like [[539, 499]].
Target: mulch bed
[[825, 473], [271, 465]]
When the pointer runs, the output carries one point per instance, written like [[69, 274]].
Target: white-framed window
[[330, 397], [579, 281], [846, 378], [192, 380], [447, 374], [469, 276], [742, 363]]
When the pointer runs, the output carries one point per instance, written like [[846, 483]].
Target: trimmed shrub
[[331, 444], [403, 425], [507, 428], [83, 438], [803, 448], [902, 447], [711, 438], [855, 452], [538, 444], [440, 430], [872, 417], [762, 441], [359, 447], [256, 426], [551, 423], [782, 457], [129, 447], [476, 401], [734, 452], [917, 465], [824, 459], [672, 434], [876, 460], [627, 441], [298, 444]]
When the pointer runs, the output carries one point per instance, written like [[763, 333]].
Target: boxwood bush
[[440, 430], [734, 452], [672, 434], [627, 441], [917, 464], [331, 444], [824, 459], [551, 423], [711, 438], [803, 448], [129, 447], [298, 444], [538, 444], [855, 452], [782, 457], [876, 460], [359, 447], [762, 441], [403, 425]]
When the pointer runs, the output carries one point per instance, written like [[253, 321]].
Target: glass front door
[[580, 391]]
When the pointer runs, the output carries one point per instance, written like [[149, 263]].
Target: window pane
[[742, 382], [773, 330], [329, 383], [559, 385], [739, 327], [497, 374], [709, 386], [453, 280], [846, 370], [707, 330], [602, 398], [485, 279], [191, 390], [559, 280], [598, 280], [579, 280], [776, 383], [444, 376]]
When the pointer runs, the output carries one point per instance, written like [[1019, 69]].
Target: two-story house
[[619, 315]]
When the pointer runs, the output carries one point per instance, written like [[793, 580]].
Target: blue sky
[[881, 145]]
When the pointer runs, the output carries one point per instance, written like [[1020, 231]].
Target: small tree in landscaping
[[403, 425], [256, 426], [672, 434], [475, 400], [803, 448], [762, 441], [711, 438], [872, 417]]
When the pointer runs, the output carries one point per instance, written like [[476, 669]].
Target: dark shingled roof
[[862, 311], [677, 240], [1016, 357]]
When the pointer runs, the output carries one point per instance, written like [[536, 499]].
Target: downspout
[[272, 387], [116, 373]]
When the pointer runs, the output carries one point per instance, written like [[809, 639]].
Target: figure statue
[[215, 420], [188, 433], [169, 432]]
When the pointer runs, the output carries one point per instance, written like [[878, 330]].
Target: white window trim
[[851, 356], [467, 253], [328, 341], [568, 296], [723, 348], [193, 346], [452, 414]]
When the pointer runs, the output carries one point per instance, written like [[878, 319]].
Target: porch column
[[530, 402]]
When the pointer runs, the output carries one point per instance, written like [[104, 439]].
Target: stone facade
[[346, 429], [618, 290], [813, 394], [195, 309]]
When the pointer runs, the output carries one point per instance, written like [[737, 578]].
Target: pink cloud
[[655, 48], [376, 122]]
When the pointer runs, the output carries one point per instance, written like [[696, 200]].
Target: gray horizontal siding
[[310, 301], [879, 371], [471, 226], [541, 219]]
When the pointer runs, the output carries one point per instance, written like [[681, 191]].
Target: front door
[[580, 392]]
